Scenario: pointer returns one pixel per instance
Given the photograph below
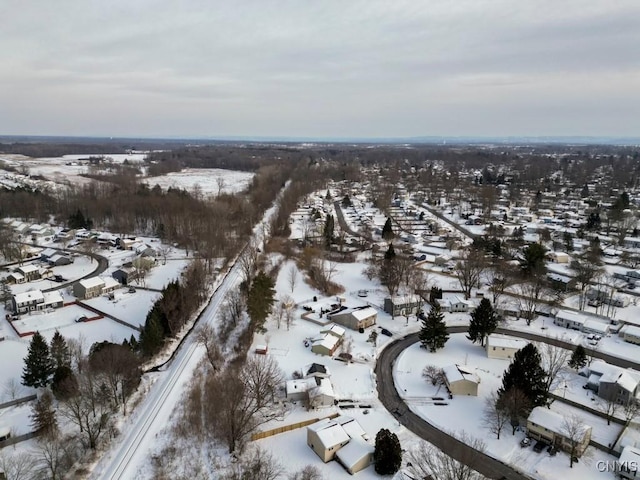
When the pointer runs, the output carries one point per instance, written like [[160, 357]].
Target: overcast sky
[[320, 68]]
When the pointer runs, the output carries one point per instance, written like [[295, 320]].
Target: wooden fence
[[288, 428]]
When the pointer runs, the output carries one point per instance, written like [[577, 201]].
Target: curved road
[[392, 401]]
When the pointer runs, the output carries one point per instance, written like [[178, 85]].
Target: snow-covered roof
[[328, 341], [633, 331], [363, 313], [331, 434], [28, 268], [571, 316], [30, 296], [323, 388], [110, 282], [92, 282], [351, 426], [404, 299], [621, 378], [335, 330], [456, 373], [630, 458], [353, 453], [596, 326], [48, 252], [300, 385], [52, 297], [505, 341], [550, 420]]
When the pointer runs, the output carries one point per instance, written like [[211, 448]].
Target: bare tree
[[17, 466], [88, 408], [433, 374], [609, 408], [142, 266], [76, 351], [418, 283], [631, 411], [241, 399], [221, 184], [532, 295], [428, 461], [574, 429], [255, 463], [517, 405], [309, 472], [469, 269], [164, 251], [495, 416], [249, 262], [293, 277], [12, 388], [118, 369], [554, 359], [56, 457], [206, 337]]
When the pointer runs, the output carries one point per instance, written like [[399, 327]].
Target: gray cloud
[[330, 68]]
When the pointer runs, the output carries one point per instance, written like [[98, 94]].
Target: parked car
[[539, 446], [81, 319], [525, 442], [386, 332]]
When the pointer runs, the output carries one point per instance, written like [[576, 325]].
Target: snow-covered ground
[[208, 181]]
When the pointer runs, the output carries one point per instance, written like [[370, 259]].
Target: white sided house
[[461, 380], [455, 304], [329, 341], [88, 288], [631, 334], [36, 300], [503, 346]]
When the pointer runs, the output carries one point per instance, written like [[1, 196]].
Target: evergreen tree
[[329, 227], [5, 294], [43, 416], [387, 456], [527, 375], [390, 254], [387, 230], [578, 358], [533, 262], [38, 365], [60, 351], [484, 321], [584, 193], [433, 333], [152, 335], [260, 300], [346, 201]]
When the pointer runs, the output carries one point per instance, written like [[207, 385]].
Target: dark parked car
[[386, 332], [539, 446]]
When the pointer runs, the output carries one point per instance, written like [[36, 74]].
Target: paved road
[[345, 226], [391, 399]]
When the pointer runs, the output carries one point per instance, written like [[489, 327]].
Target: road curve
[[392, 401]]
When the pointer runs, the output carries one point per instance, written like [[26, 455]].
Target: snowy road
[[128, 457]]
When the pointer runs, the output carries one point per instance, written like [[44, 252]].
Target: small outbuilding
[[503, 346], [355, 318], [461, 380]]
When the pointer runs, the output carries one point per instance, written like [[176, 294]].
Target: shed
[[356, 318], [461, 380], [503, 346]]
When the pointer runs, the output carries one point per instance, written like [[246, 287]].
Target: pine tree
[[387, 455], [527, 375], [433, 333], [43, 416], [60, 351], [38, 365], [484, 321], [152, 335], [578, 358], [390, 254], [329, 227], [387, 230], [260, 300]]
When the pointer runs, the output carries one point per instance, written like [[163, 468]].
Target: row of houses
[[35, 300]]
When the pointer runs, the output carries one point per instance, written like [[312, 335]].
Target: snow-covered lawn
[[208, 181]]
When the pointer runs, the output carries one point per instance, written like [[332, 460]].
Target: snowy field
[[207, 181]]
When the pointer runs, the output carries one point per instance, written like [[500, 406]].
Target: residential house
[[123, 275], [88, 288], [569, 319], [503, 346], [329, 341], [461, 380], [612, 383], [15, 277], [548, 426], [29, 272], [329, 437], [356, 318], [595, 326], [455, 304], [628, 464], [36, 300], [325, 438], [59, 260], [402, 305], [631, 334]]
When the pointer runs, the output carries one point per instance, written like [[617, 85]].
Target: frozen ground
[[208, 181]]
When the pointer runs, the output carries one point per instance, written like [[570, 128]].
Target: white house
[[631, 334], [461, 380]]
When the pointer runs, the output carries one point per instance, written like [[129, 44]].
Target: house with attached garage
[[356, 318], [35, 300], [88, 288], [329, 438], [329, 341], [29, 272], [612, 383], [548, 426], [402, 305]]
